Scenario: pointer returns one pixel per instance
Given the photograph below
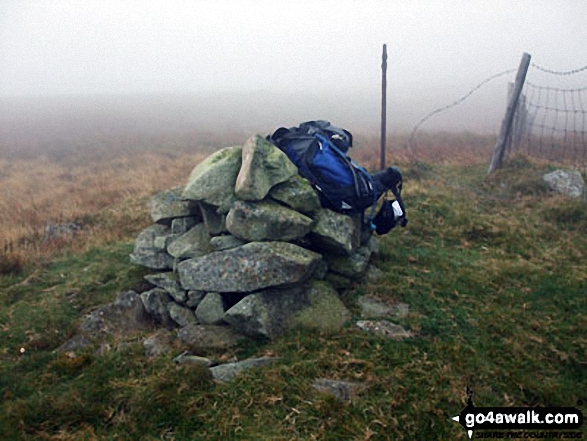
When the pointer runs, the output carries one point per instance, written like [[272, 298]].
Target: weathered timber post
[[507, 122], [383, 105]]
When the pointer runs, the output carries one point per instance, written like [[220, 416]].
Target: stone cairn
[[245, 249]]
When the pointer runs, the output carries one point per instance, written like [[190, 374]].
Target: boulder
[[168, 205], [208, 337], [298, 194], [272, 312], [353, 266], [267, 313], [567, 182], [256, 221], [336, 233], [325, 312], [155, 302], [248, 268], [213, 180], [148, 253], [170, 283], [194, 243], [263, 166], [210, 310], [180, 314]]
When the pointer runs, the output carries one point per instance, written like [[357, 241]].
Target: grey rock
[[194, 243], [298, 194], [210, 311], [256, 221], [180, 314], [155, 302], [228, 371], [146, 253], [567, 182], [384, 328], [371, 308], [208, 337], [343, 390], [227, 242], [263, 166], [194, 298], [215, 222], [126, 314], [157, 344], [168, 205], [353, 266], [187, 358], [76, 342], [336, 233], [272, 312], [170, 283], [248, 268], [213, 180], [325, 312], [182, 225]]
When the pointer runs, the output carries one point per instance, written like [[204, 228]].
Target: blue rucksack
[[319, 150]]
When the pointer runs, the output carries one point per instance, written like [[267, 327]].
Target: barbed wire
[[554, 72], [455, 103]]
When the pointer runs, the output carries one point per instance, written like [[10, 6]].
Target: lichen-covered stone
[[336, 233], [248, 268], [263, 166], [213, 180], [567, 182], [170, 283], [168, 205], [227, 242], [180, 314], [211, 309], [228, 371], [353, 266], [182, 225], [298, 194], [208, 337], [325, 312], [194, 243], [147, 253], [155, 302], [256, 221]]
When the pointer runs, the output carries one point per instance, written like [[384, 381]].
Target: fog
[[260, 63]]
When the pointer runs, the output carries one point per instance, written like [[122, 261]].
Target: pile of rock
[[246, 248]]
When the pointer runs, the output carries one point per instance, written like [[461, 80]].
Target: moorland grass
[[494, 273]]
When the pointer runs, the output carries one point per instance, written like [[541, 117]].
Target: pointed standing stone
[[263, 166]]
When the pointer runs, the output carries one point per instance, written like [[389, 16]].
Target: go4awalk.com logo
[[520, 422]]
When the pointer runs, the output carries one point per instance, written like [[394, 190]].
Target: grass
[[494, 273]]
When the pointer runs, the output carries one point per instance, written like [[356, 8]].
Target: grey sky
[[437, 48]]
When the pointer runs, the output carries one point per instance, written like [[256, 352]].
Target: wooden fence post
[[383, 105], [507, 122]]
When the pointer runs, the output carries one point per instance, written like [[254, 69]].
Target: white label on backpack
[[345, 206], [397, 210]]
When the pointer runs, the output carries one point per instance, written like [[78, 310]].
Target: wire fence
[[551, 116]]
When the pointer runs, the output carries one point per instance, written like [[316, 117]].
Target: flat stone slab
[[371, 308], [228, 371], [206, 337], [263, 166], [168, 205], [343, 390], [384, 328], [193, 243], [256, 221], [248, 268]]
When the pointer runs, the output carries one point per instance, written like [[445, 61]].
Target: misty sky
[[438, 50]]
